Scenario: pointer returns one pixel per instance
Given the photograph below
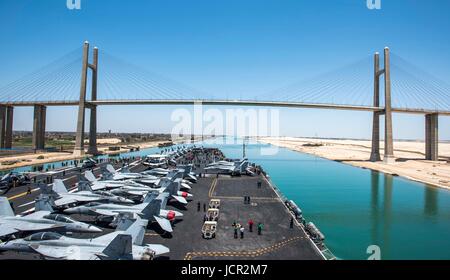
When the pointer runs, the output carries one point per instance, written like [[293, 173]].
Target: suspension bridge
[[398, 87]]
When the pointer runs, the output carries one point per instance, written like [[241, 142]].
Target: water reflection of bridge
[[382, 207]]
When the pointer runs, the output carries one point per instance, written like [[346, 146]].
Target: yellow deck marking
[[21, 194], [212, 188], [253, 254], [151, 234]]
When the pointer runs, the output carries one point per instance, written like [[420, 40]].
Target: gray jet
[[37, 221], [63, 197], [118, 245], [151, 209]]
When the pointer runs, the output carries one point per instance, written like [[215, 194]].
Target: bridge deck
[[285, 104]]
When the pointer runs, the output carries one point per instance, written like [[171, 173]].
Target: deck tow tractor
[[209, 227]]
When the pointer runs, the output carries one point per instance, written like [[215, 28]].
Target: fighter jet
[[37, 221], [236, 167], [156, 172], [118, 245], [7, 180], [151, 209], [171, 185], [122, 188], [63, 197], [124, 174], [187, 172]]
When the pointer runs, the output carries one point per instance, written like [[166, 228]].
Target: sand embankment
[[410, 162]]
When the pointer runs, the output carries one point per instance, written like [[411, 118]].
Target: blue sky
[[229, 48]]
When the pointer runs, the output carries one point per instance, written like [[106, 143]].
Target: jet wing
[[74, 199], [7, 230], [158, 249], [27, 226], [16, 226], [38, 215], [164, 223], [56, 252], [103, 212], [137, 193]]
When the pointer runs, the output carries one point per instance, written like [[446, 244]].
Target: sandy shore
[[46, 157], [409, 155]]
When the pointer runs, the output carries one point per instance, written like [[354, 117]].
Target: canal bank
[[356, 208]]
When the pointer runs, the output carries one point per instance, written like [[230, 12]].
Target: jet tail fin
[[124, 221], [164, 197], [137, 231], [43, 203], [90, 176], [150, 196], [173, 187], [152, 208], [84, 186], [59, 187], [125, 169], [45, 189], [111, 169], [120, 246], [5, 207]]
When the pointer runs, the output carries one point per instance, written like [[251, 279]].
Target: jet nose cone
[[129, 201], [178, 214], [94, 229], [70, 211]]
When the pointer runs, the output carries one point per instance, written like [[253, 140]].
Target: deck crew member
[[250, 225], [260, 228]]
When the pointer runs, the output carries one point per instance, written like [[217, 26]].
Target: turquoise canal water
[[356, 207]]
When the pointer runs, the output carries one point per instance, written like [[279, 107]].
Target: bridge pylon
[[388, 135], [431, 137], [6, 126], [39, 118], [375, 154], [79, 137]]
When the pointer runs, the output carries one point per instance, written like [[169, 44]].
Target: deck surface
[[277, 242]]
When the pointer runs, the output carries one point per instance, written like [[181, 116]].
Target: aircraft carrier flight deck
[[278, 233]]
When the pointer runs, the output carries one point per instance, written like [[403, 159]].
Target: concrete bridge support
[[38, 141], [431, 137], [375, 154], [2, 126], [6, 126], [388, 137], [93, 108], [79, 138], [9, 127]]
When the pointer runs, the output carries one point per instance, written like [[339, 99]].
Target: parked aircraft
[[38, 221], [118, 245]]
